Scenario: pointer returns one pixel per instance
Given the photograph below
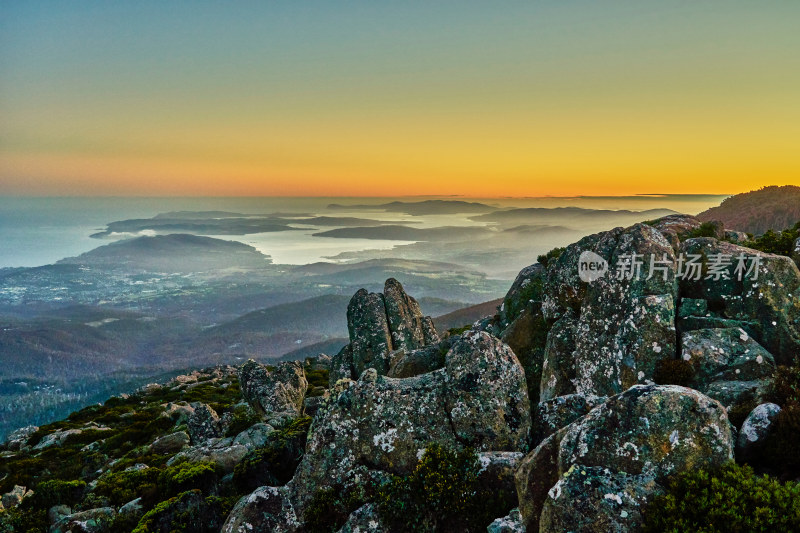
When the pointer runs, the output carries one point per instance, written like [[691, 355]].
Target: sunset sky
[[398, 98]]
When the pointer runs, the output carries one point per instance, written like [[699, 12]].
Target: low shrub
[[552, 255], [443, 494], [57, 492], [731, 499]]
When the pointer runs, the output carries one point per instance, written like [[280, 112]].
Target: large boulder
[[383, 424], [266, 509], [625, 318], [170, 444], [595, 499], [648, 431], [724, 355], [379, 326], [276, 395], [759, 291], [222, 452]]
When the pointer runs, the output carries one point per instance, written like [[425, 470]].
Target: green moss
[[121, 487], [184, 476], [674, 372], [444, 494], [458, 331], [57, 492], [731, 499], [275, 463], [23, 521], [188, 512]]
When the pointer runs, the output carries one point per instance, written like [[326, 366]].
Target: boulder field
[[580, 399]]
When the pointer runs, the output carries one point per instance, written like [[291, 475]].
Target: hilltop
[[617, 404], [757, 211]]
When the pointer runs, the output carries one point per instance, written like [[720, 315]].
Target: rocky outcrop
[[266, 509], [17, 439], [275, 394], [381, 327], [203, 423], [764, 301], [596, 499], [624, 320], [409, 329], [15, 496], [383, 424], [647, 431], [728, 364], [170, 444]]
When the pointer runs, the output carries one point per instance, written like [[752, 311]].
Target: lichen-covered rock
[[378, 423], [409, 329], [558, 367], [17, 439], [56, 438], [407, 364], [526, 335], [14, 497], [725, 354], [276, 395], [91, 521], [655, 429], [648, 430], [552, 415], [266, 509], [222, 452], [256, 436], [203, 423], [535, 476], [368, 326], [692, 307], [755, 429], [511, 523], [170, 444], [675, 228], [365, 519], [626, 318], [736, 393], [526, 289], [595, 499], [384, 328], [767, 297]]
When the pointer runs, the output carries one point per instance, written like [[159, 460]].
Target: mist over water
[[36, 231]]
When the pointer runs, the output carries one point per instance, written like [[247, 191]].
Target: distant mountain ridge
[[774, 207], [169, 253]]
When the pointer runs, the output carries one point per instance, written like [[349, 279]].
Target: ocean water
[[36, 231]]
